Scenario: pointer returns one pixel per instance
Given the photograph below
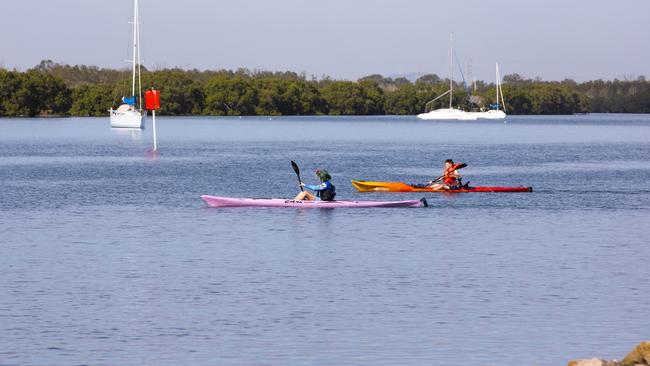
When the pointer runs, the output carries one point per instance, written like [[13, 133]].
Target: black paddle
[[297, 170]]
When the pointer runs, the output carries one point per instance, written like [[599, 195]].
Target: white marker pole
[[155, 142]]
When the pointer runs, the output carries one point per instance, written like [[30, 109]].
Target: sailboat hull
[[448, 114], [491, 114], [127, 119]]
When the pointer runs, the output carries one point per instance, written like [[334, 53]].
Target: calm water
[[108, 257]]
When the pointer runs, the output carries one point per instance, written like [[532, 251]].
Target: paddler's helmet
[[323, 175]]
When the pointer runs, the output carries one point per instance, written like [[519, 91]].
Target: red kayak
[[364, 186]]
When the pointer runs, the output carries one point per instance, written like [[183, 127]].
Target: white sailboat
[[128, 115], [496, 112], [450, 113]]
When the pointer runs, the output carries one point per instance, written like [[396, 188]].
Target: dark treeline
[[57, 89]]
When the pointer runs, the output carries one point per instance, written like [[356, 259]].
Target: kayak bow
[[214, 201], [363, 186]]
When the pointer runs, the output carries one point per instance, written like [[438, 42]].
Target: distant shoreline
[[270, 117], [52, 89]]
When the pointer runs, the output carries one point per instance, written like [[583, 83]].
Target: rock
[[590, 362], [640, 355], [611, 363]]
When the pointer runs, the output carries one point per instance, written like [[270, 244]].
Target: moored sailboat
[[450, 113], [495, 111], [130, 114]]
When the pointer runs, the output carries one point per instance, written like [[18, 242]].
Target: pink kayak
[[214, 201]]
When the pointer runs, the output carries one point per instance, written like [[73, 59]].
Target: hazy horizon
[[552, 40]]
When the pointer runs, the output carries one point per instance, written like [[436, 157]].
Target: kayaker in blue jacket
[[325, 190]]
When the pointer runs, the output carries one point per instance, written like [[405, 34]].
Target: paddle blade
[[297, 170], [295, 167], [461, 166]]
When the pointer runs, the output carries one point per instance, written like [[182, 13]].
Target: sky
[[345, 39]]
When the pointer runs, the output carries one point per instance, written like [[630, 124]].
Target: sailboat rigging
[[128, 115], [450, 113]]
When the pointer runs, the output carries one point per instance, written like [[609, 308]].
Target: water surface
[[109, 257]]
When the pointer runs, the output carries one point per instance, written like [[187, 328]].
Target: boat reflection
[[134, 133]]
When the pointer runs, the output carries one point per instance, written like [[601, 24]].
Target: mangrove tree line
[[59, 89]]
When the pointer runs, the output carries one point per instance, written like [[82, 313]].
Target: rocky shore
[[639, 356]]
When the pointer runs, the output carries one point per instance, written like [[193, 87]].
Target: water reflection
[[135, 134]]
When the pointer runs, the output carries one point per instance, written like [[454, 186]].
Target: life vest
[[328, 193], [448, 178]]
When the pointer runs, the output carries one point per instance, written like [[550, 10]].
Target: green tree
[[91, 100], [403, 101], [350, 98], [10, 83], [271, 97], [304, 98], [41, 94], [232, 96], [428, 79], [288, 96], [374, 97], [179, 94]]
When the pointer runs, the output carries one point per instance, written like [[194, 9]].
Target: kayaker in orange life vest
[[450, 177]]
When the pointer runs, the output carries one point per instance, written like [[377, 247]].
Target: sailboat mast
[[496, 74], [135, 41], [451, 69], [139, 63], [503, 101]]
